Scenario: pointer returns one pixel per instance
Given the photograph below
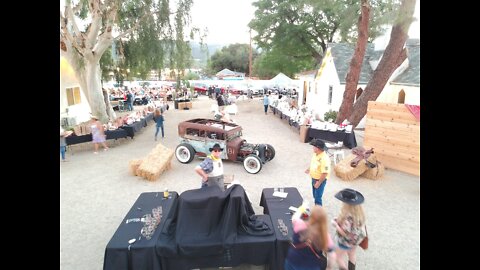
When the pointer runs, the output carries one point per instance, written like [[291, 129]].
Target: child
[[158, 118], [310, 241], [350, 226]]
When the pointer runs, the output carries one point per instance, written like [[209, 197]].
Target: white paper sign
[[280, 194]]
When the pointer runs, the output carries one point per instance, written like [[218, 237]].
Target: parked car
[[238, 90], [200, 134], [200, 88]]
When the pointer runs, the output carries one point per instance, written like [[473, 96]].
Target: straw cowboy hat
[[319, 144], [350, 196], [216, 147]]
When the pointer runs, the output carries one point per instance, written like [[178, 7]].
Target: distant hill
[[199, 54]]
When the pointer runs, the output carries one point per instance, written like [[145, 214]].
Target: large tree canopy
[[269, 63], [233, 57], [89, 27], [303, 28]]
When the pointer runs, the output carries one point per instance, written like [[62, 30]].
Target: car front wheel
[[184, 153], [252, 164]]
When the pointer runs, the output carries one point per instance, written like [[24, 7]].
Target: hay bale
[[133, 165], [347, 172], [375, 173], [157, 161]]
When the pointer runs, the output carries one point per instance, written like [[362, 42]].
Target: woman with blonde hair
[[98, 134], [350, 227], [310, 241]]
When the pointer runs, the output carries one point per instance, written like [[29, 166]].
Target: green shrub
[[330, 115]]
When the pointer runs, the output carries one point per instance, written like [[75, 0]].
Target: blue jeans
[[318, 192], [266, 108], [156, 133], [62, 151]]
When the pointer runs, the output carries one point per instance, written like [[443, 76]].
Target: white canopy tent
[[281, 80]]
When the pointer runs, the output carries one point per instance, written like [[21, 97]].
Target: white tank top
[[217, 168]]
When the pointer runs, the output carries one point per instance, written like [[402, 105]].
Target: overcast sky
[[227, 20]]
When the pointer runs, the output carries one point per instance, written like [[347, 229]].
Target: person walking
[[98, 134], [158, 118], [350, 227], [265, 103], [63, 142], [310, 241], [319, 169], [129, 100], [211, 168]]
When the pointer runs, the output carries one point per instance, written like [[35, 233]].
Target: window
[[401, 97], [73, 95], [330, 94]]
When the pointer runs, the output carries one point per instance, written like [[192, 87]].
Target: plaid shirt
[[207, 165]]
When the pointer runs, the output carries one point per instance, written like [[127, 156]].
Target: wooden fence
[[394, 133]]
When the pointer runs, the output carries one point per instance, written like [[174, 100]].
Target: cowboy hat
[[216, 147], [350, 196], [94, 117], [319, 144]]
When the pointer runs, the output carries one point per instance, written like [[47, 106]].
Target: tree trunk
[[109, 109], [355, 65], [392, 58], [94, 89]]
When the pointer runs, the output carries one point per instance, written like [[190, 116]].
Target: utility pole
[[250, 56]]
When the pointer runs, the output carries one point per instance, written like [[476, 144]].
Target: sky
[[227, 20]]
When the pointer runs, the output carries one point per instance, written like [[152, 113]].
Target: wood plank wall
[[394, 133]]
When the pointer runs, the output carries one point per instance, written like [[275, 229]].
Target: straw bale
[[347, 172], [157, 161], [375, 173], [77, 130], [87, 128], [134, 164]]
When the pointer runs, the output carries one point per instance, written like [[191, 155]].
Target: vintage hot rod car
[[200, 134]]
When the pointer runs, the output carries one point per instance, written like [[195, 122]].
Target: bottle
[[165, 193]]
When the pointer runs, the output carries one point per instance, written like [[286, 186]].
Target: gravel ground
[[97, 191]]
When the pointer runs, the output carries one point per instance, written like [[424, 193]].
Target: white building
[[74, 107]]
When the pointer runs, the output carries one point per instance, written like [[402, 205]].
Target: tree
[[135, 21], [355, 65], [233, 57], [303, 28], [270, 63], [394, 55]]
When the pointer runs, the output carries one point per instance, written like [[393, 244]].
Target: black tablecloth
[[224, 237], [137, 126], [277, 208], [348, 139], [142, 253], [212, 228], [111, 134], [247, 249]]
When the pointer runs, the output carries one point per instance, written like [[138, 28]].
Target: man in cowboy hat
[[319, 169], [211, 168]]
